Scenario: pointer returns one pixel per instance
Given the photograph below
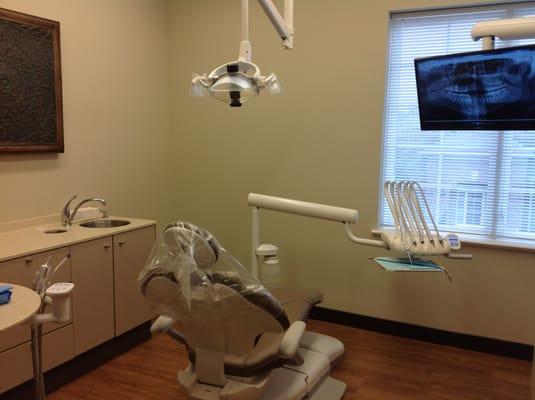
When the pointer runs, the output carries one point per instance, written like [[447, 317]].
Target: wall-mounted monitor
[[483, 90]]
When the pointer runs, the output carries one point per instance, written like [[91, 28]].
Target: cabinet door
[[22, 272], [131, 250], [93, 305]]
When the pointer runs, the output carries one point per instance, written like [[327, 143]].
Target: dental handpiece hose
[[57, 268], [42, 282]]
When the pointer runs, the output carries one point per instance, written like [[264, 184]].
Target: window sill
[[502, 244]]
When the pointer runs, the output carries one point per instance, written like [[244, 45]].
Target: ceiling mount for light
[[237, 81]]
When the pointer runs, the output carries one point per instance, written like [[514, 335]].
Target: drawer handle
[[121, 243], [29, 260], [107, 246]]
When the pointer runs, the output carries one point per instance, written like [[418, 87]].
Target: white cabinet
[[15, 352], [92, 301], [22, 271], [106, 300], [131, 250], [16, 363]]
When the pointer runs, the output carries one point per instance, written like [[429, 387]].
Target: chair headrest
[[199, 273], [194, 240]]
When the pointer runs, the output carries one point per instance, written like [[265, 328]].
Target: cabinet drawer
[[16, 363], [22, 271]]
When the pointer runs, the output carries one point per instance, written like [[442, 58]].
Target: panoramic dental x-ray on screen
[[487, 90]]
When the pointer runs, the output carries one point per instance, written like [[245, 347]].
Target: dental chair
[[244, 341]]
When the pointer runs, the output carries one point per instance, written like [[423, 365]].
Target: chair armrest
[[291, 340]]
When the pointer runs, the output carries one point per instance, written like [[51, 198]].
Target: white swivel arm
[[315, 210], [505, 29], [303, 208]]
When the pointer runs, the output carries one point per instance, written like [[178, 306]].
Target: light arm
[[284, 26]]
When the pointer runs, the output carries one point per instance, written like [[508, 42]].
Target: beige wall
[[321, 141], [116, 106]]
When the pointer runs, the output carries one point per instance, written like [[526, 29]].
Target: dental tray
[[392, 264]]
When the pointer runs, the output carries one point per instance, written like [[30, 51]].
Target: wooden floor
[[376, 366]]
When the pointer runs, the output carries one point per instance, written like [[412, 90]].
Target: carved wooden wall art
[[31, 110]]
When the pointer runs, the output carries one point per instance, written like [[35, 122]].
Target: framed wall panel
[[31, 109]]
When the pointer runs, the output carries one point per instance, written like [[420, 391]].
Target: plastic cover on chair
[[188, 274]]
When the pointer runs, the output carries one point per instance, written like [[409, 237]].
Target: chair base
[[330, 389], [234, 389], [310, 380], [331, 347]]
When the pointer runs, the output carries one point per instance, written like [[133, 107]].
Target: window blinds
[[477, 182]]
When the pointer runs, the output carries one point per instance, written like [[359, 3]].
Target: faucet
[[67, 216]]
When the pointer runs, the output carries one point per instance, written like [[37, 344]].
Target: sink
[[104, 223], [56, 230]]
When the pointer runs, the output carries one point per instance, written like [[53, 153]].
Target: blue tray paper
[[5, 294], [392, 264]]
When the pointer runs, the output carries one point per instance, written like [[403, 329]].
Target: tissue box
[[5, 294]]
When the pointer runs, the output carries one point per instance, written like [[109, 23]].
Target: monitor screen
[[483, 90]]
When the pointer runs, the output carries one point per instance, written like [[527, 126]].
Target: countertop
[[24, 303], [30, 238]]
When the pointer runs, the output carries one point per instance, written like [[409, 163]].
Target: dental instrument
[[57, 295], [237, 81], [411, 234]]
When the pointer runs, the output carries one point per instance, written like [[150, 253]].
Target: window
[[477, 183]]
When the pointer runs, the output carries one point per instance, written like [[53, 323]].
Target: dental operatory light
[[237, 81]]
